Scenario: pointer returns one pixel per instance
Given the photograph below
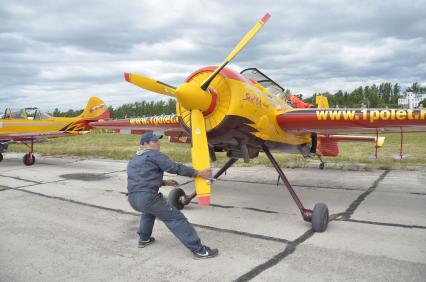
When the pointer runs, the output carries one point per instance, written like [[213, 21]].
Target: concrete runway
[[68, 219]]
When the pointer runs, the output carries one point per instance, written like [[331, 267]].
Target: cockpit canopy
[[25, 113], [256, 75]]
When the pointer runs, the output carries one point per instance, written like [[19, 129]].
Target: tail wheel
[[320, 217], [174, 197], [28, 159]]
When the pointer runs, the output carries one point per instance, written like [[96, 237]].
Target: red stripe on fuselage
[[125, 123], [308, 120]]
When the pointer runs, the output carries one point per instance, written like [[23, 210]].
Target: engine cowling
[[221, 97]]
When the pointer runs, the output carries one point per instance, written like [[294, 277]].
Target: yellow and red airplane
[[220, 110], [30, 125]]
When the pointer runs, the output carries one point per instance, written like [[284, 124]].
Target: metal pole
[[400, 150], [377, 141]]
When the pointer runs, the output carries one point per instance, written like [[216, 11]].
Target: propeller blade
[[150, 84], [237, 49], [200, 155]]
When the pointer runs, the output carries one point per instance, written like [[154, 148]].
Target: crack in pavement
[[291, 247], [355, 204], [35, 183], [295, 185], [20, 179], [251, 235], [384, 223]]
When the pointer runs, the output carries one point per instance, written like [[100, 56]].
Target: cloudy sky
[[59, 53]]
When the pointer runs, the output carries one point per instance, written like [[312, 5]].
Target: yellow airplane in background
[[30, 125]]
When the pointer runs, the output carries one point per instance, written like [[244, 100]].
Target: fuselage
[[10, 126], [244, 112]]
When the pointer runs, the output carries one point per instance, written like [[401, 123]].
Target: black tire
[[174, 196], [320, 217], [1, 157], [28, 160], [322, 165]]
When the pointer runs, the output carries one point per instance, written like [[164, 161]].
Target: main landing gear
[[319, 216], [3, 147], [322, 164], [29, 158]]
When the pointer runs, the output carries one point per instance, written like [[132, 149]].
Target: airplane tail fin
[[322, 102], [95, 110]]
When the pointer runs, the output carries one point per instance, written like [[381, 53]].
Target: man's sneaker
[[143, 244], [206, 252]]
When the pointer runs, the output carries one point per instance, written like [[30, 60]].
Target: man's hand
[[206, 174], [170, 182]]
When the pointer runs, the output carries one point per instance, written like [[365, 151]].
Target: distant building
[[411, 100]]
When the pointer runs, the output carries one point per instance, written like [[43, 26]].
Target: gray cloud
[[58, 53]]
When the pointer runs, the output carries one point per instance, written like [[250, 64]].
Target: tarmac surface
[[69, 219]]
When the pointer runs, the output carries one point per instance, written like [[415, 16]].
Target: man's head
[[151, 141]]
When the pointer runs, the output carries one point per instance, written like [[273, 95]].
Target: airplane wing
[[168, 125], [28, 136], [341, 121]]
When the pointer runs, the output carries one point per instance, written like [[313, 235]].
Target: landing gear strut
[[29, 158], [318, 216], [179, 199], [322, 164], [3, 147]]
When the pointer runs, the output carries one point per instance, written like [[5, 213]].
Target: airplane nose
[[192, 97]]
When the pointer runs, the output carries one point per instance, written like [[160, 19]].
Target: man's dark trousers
[[151, 205]]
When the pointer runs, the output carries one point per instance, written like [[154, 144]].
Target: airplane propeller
[[197, 99], [150, 84]]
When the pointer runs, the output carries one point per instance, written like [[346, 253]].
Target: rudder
[[95, 109]]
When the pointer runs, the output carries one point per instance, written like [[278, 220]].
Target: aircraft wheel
[[1, 157], [174, 196], [322, 165], [28, 159], [320, 217]]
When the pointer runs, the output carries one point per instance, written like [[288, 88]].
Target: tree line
[[136, 109], [384, 95], [375, 96]]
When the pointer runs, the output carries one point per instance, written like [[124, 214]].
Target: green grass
[[123, 147]]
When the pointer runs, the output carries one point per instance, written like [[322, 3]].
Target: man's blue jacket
[[145, 171]]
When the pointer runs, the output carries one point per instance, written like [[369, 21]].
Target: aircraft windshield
[[266, 82], [26, 113], [36, 114], [15, 114]]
